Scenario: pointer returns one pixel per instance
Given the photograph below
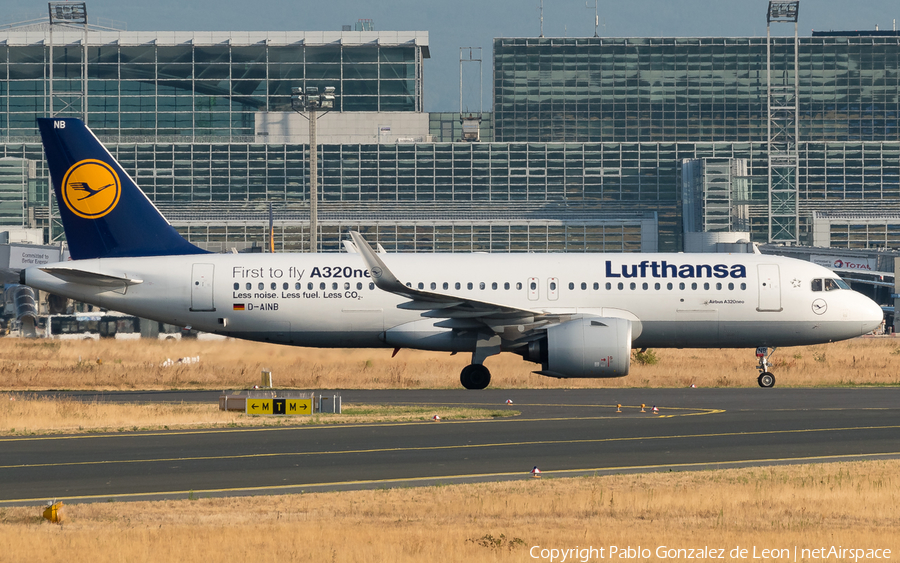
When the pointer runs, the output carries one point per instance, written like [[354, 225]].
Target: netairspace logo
[[613, 552]]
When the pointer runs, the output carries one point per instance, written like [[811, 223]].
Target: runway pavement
[[563, 432]]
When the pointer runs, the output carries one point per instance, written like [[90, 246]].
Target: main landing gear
[[475, 376], [766, 379]]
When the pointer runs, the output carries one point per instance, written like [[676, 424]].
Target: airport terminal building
[[594, 144]]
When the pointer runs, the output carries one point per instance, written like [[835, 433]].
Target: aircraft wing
[[458, 313]]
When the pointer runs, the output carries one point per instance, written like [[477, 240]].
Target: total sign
[[845, 263]]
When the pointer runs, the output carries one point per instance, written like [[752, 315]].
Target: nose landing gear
[[766, 379]]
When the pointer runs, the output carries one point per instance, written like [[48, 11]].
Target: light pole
[[311, 101]]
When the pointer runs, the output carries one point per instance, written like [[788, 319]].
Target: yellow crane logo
[[91, 189]]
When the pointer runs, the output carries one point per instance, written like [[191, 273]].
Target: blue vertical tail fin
[[104, 213]]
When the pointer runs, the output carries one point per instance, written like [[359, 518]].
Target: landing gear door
[[533, 291], [202, 287], [769, 288]]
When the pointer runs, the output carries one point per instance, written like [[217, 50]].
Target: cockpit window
[[829, 284]]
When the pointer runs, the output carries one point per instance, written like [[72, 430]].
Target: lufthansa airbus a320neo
[[576, 315]]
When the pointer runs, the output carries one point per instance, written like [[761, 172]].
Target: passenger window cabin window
[[334, 285], [358, 285], [719, 285], [446, 285], [656, 286], [408, 284], [694, 285], [743, 286], [480, 285], [621, 285], [249, 285], [494, 285], [237, 286], [322, 285], [371, 285], [346, 285], [457, 285], [309, 286], [705, 285], [669, 285], [596, 286], [681, 285], [261, 286], [645, 285], [608, 285], [469, 285], [632, 285], [533, 286], [506, 285], [274, 286], [518, 285], [730, 287], [421, 285], [433, 285], [583, 286], [297, 286]]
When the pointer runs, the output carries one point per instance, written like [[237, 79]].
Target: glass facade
[[583, 151], [203, 84], [445, 126], [707, 98], [216, 193], [426, 234], [692, 89]]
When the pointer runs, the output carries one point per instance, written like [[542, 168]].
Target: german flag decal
[[238, 306]]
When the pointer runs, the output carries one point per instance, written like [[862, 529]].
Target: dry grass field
[[224, 364], [846, 505], [27, 415]]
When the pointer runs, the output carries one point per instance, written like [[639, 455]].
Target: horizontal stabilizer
[[94, 279]]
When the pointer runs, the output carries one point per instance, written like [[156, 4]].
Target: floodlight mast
[[783, 133], [72, 15], [310, 102]]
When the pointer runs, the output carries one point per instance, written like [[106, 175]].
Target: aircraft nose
[[871, 315]]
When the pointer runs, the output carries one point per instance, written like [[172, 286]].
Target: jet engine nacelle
[[589, 347]]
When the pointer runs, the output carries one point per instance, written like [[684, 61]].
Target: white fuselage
[[329, 300]]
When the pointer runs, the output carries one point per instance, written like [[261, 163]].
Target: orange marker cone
[[536, 473], [619, 408], [643, 407]]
